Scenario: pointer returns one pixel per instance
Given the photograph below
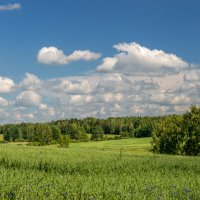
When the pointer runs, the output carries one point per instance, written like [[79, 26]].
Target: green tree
[[97, 133], [167, 135], [178, 134], [19, 135], [56, 133], [191, 129], [46, 134]]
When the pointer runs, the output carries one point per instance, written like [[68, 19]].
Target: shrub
[[3, 142], [64, 141], [124, 134]]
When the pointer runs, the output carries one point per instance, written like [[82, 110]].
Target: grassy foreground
[[122, 169]]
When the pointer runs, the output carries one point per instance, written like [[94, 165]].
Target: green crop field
[[121, 169]]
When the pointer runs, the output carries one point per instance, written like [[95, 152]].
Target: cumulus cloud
[[15, 6], [98, 95], [6, 84], [54, 56], [75, 86], [3, 102], [138, 60], [28, 99], [192, 75], [140, 82], [51, 55], [30, 82]]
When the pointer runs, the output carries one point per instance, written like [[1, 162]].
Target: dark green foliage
[[77, 129], [178, 134], [3, 142], [167, 135], [35, 144], [191, 129], [124, 134], [56, 133], [144, 130], [97, 133]]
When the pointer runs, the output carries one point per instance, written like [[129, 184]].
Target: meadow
[[115, 169]]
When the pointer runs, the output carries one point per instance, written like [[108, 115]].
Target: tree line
[[172, 134], [78, 129]]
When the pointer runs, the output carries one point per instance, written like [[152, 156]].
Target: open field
[[121, 169], [1, 137]]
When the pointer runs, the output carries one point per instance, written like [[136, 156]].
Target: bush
[[3, 142], [74, 141], [84, 137], [54, 142], [34, 144], [117, 137], [64, 143], [124, 134]]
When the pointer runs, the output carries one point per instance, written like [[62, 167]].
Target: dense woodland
[[78, 129], [172, 134]]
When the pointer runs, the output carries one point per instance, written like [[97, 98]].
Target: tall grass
[[96, 170]]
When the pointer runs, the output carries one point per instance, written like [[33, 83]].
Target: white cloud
[[28, 99], [108, 64], [54, 56], [75, 86], [30, 82], [6, 85], [15, 6], [83, 55], [21, 116], [181, 99], [192, 75], [3, 102], [43, 107], [110, 97], [101, 95], [140, 82], [138, 60], [51, 55], [51, 112]]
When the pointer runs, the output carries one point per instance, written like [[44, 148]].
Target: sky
[[97, 58]]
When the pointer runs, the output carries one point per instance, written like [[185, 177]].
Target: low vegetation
[[120, 169]]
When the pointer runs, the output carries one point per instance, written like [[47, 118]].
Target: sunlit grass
[[1, 137], [121, 169]]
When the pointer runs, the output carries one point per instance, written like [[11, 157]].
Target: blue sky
[[95, 26]]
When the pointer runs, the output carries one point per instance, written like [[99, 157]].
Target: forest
[[78, 129], [172, 134]]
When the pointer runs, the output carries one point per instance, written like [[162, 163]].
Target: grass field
[[1, 137], [121, 169]]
